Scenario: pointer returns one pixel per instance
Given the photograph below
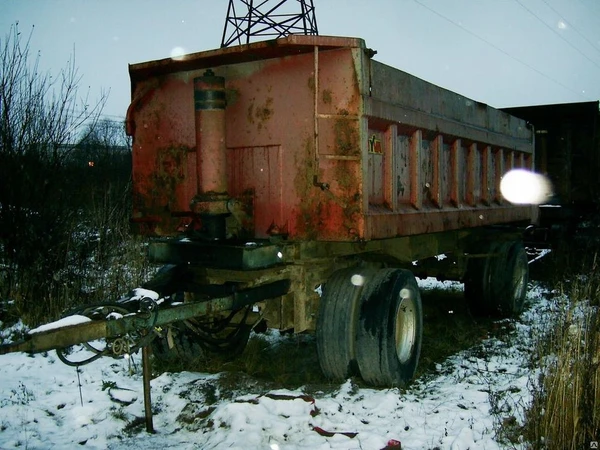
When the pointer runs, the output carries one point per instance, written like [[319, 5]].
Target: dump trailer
[[304, 159], [300, 184]]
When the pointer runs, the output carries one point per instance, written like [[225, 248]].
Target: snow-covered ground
[[43, 407]]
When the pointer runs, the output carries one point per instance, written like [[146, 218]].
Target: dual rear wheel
[[370, 323], [496, 284]]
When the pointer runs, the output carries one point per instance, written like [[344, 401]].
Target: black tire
[[390, 328], [336, 323], [497, 285]]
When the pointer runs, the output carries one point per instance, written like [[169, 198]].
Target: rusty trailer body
[[319, 142], [303, 159]]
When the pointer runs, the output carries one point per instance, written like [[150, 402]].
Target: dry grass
[[565, 411], [565, 408], [100, 262]]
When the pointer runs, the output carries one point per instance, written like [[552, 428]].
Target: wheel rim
[[406, 325]]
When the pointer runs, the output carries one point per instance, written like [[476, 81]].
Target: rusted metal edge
[[289, 45], [444, 125], [435, 221], [407, 248]]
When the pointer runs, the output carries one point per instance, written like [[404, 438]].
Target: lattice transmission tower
[[273, 18]]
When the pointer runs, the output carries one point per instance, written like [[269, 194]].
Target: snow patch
[[75, 319], [140, 293], [40, 403]]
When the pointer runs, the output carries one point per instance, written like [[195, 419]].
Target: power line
[[571, 26], [558, 34], [499, 49]]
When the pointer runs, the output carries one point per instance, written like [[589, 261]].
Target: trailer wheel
[[497, 286], [390, 328], [336, 322]]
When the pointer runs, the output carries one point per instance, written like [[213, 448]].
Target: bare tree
[[106, 143], [40, 116], [104, 154]]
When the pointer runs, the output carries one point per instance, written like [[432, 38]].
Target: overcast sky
[[500, 52]]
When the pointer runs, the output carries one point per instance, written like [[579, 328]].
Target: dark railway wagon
[[567, 150]]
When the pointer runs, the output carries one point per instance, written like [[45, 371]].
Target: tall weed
[[100, 261], [565, 409]]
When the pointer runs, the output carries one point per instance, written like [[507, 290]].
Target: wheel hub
[[406, 326]]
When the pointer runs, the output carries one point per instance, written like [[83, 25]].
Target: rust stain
[[344, 175], [162, 185], [260, 114], [311, 83], [346, 135], [352, 213], [327, 96], [308, 219], [250, 114], [265, 112]]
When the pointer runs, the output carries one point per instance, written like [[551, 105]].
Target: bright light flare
[[177, 53], [357, 280], [524, 187], [405, 293]]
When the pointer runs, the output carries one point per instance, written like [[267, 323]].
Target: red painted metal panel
[[258, 171], [321, 143]]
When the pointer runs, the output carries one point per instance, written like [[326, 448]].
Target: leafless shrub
[[41, 117]]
